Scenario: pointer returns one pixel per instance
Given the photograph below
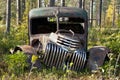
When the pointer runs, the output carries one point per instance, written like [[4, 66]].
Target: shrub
[[109, 37], [16, 62], [17, 36]]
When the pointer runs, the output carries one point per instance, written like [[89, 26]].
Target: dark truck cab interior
[[43, 25]]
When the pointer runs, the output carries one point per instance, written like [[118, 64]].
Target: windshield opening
[[48, 25]]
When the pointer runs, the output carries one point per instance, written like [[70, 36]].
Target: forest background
[[104, 29]]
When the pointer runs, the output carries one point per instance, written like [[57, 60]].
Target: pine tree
[[8, 16], [18, 12]]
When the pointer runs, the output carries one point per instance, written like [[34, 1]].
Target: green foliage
[[17, 36], [11, 64], [16, 62], [104, 36], [94, 37], [114, 42], [11, 40], [2, 9], [109, 37], [118, 21]]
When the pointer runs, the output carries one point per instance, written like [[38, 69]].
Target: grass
[[45, 75], [110, 71]]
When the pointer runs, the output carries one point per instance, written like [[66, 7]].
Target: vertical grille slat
[[50, 57], [81, 60], [57, 57], [46, 59], [84, 59], [54, 54], [60, 57], [73, 58], [77, 59]]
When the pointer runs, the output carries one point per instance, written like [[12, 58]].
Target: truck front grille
[[78, 58], [57, 56]]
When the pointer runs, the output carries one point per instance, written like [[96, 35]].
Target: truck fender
[[24, 48], [97, 56]]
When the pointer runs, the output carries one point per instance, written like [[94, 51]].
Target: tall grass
[[104, 36]]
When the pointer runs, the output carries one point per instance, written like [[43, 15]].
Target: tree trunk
[[113, 22], [41, 3], [18, 12], [23, 6], [80, 3], [91, 12], [100, 13], [83, 4], [52, 3], [8, 16], [62, 3]]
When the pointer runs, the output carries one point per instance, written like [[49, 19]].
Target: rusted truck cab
[[42, 21], [59, 36], [60, 32]]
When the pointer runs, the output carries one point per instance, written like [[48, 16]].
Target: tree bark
[[100, 13], [41, 3], [52, 3], [8, 16], [18, 12], [113, 22], [23, 6], [62, 3], [91, 12], [83, 4], [80, 3]]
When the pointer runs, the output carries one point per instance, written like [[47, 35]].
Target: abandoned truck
[[58, 35]]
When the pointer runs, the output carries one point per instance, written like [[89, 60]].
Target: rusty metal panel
[[97, 56]]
